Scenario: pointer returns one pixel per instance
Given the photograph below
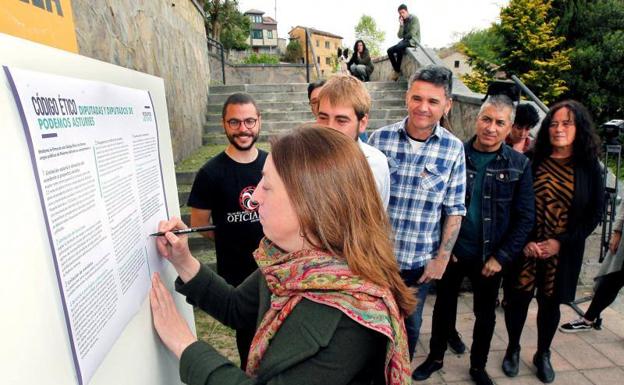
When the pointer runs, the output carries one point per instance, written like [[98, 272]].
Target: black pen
[[185, 231]]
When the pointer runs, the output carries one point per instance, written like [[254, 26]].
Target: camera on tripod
[[612, 130]]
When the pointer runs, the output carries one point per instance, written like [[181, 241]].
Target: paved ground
[[594, 357]]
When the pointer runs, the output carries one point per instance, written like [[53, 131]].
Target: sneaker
[[578, 325], [456, 344]]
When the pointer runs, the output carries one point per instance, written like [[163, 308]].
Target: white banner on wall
[[94, 148]]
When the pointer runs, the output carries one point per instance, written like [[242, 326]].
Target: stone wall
[[466, 103], [383, 69], [162, 38], [258, 73]]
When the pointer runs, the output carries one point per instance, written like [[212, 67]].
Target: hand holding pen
[[185, 231], [175, 249]]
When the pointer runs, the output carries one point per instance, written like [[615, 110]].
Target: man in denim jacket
[[501, 213]]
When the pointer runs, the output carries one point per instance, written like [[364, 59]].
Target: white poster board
[[45, 339]]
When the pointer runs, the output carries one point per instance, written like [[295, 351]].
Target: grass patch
[[210, 330], [199, 157], [220, 337]]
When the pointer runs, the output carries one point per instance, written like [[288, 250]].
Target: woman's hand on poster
[[548, 248], [169, 324], [531, 250], [175, 249], [614, 243]]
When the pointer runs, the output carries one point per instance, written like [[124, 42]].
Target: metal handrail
[[217, 44], [529, 93], [309, 44], [426, 53]]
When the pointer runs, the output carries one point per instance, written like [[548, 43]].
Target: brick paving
[[593, 357]]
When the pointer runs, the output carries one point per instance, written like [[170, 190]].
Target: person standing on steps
[[427, 180], [314, 89], [344, 105], [221, 195], [501, 213], [526, 118], [609, 282], [409, 33]]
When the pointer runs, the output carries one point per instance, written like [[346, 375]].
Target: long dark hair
[[586, 146], [364, 51]]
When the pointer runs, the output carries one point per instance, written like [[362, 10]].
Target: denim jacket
[[508, 202]]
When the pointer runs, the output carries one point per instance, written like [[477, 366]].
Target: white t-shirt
[[416, 144], [379, 166]]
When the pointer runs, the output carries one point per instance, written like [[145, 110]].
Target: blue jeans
[[414, 320]]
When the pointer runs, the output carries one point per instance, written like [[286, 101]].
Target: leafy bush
[[263, 58]]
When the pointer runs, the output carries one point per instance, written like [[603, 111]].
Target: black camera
[[611, 131]]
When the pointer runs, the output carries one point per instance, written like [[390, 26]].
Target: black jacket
[[507, 202], [365, 60]]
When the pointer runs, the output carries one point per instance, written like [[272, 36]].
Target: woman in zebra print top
[[569, 198]]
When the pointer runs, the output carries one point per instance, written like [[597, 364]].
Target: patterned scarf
[[323, 278]]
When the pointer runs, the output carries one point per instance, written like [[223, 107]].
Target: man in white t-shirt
[[344, 104]]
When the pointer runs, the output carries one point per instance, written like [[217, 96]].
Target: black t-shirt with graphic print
[[224, 186]]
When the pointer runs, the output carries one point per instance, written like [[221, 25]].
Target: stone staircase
[[283, 107]]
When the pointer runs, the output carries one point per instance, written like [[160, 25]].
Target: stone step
[[185, 177], [293, 87], [385, 113], [197, 242], [215, 129], [264, 97], [303, 96], [266, 107], [184, 191]]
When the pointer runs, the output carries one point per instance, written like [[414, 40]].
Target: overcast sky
[[441, 21]]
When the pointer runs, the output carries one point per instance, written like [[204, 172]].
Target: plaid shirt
[[421, 185]]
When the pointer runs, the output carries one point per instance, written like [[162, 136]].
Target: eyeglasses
[[249, 123]]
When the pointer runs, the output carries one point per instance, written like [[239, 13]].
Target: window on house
[[269, 34], [318, 59], [317, 43], [456, 63], [327, 44], [256, 19], [256, 33], [327, 61]]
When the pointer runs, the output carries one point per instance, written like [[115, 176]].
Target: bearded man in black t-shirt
[[221, 195]]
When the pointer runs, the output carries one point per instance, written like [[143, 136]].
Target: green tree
[[483, 50], [366, 30], [294, 52], [227, 24], [531, 50], [594, 30]]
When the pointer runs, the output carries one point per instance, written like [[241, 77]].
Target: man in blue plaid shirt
[[427, 183]]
